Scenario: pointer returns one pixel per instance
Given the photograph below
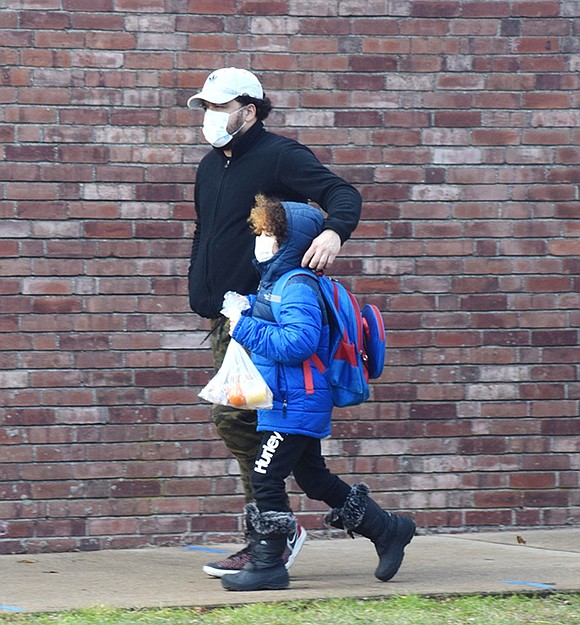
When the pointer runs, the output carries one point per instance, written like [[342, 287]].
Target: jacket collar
[[241, 145]]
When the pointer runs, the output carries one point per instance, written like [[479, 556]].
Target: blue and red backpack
[[357, 339]]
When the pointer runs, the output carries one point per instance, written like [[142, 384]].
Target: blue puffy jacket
[[281, 352]]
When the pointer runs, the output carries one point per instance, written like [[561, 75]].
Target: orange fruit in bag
[[236, 396]]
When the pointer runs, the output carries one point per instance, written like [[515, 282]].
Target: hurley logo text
[[263, 462]]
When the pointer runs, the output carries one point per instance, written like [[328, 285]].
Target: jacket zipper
[[281, 376]]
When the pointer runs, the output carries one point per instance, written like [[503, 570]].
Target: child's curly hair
[[268, 215]]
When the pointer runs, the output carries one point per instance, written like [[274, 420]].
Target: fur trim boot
[[266, 570], [390, 533]]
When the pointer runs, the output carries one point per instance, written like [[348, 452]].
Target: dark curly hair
[[268, 215], [263, 107]]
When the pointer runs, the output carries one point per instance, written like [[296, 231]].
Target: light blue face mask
[[215, 127]]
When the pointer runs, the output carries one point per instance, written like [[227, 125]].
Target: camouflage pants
[[237, 428]]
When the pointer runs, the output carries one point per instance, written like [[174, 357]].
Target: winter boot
[[235, 562], [265, 570], [390, 533]]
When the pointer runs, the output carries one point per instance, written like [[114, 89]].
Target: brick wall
[[459, 123]]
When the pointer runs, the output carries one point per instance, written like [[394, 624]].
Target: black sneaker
[[232, 564], [236, 562]]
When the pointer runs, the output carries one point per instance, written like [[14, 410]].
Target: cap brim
[[194, 102], [197, 100]]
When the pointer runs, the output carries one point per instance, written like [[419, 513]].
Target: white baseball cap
[[225, 85]]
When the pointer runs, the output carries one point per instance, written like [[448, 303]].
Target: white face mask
[[215, 125], [264, 248]]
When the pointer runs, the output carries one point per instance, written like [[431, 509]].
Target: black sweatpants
[[282, 454]]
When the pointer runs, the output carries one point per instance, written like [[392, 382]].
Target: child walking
[[301, 412]]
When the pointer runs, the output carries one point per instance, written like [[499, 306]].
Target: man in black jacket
[[247, 160]]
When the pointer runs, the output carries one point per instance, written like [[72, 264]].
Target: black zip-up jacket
[[225, 188]]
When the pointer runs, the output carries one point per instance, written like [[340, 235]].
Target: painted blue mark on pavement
[[10, 608], [208, 549], [532, 584]]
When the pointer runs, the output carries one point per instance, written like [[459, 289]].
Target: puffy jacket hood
[[304, 224]]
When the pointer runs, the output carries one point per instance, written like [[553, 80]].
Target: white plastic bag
[[233, 305], [238, 383]]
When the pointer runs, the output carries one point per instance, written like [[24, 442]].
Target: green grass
[[407, 610]]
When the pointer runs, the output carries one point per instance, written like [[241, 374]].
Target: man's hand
[[322, 252]]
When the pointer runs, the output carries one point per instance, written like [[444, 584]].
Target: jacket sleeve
[[296, 337], [197, 231], [300, 171]]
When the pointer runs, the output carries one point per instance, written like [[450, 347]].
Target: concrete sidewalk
[[434, 565]]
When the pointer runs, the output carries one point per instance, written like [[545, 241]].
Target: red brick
[[97, 21], [458, 119], [537, 9], [370, 63], [30, 153], [208, 7], [429, 8], [485, 9], [495, 137], [546, 499]]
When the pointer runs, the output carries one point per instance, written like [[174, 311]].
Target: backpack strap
[[311, 280], [307, 369], [308, 379]]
